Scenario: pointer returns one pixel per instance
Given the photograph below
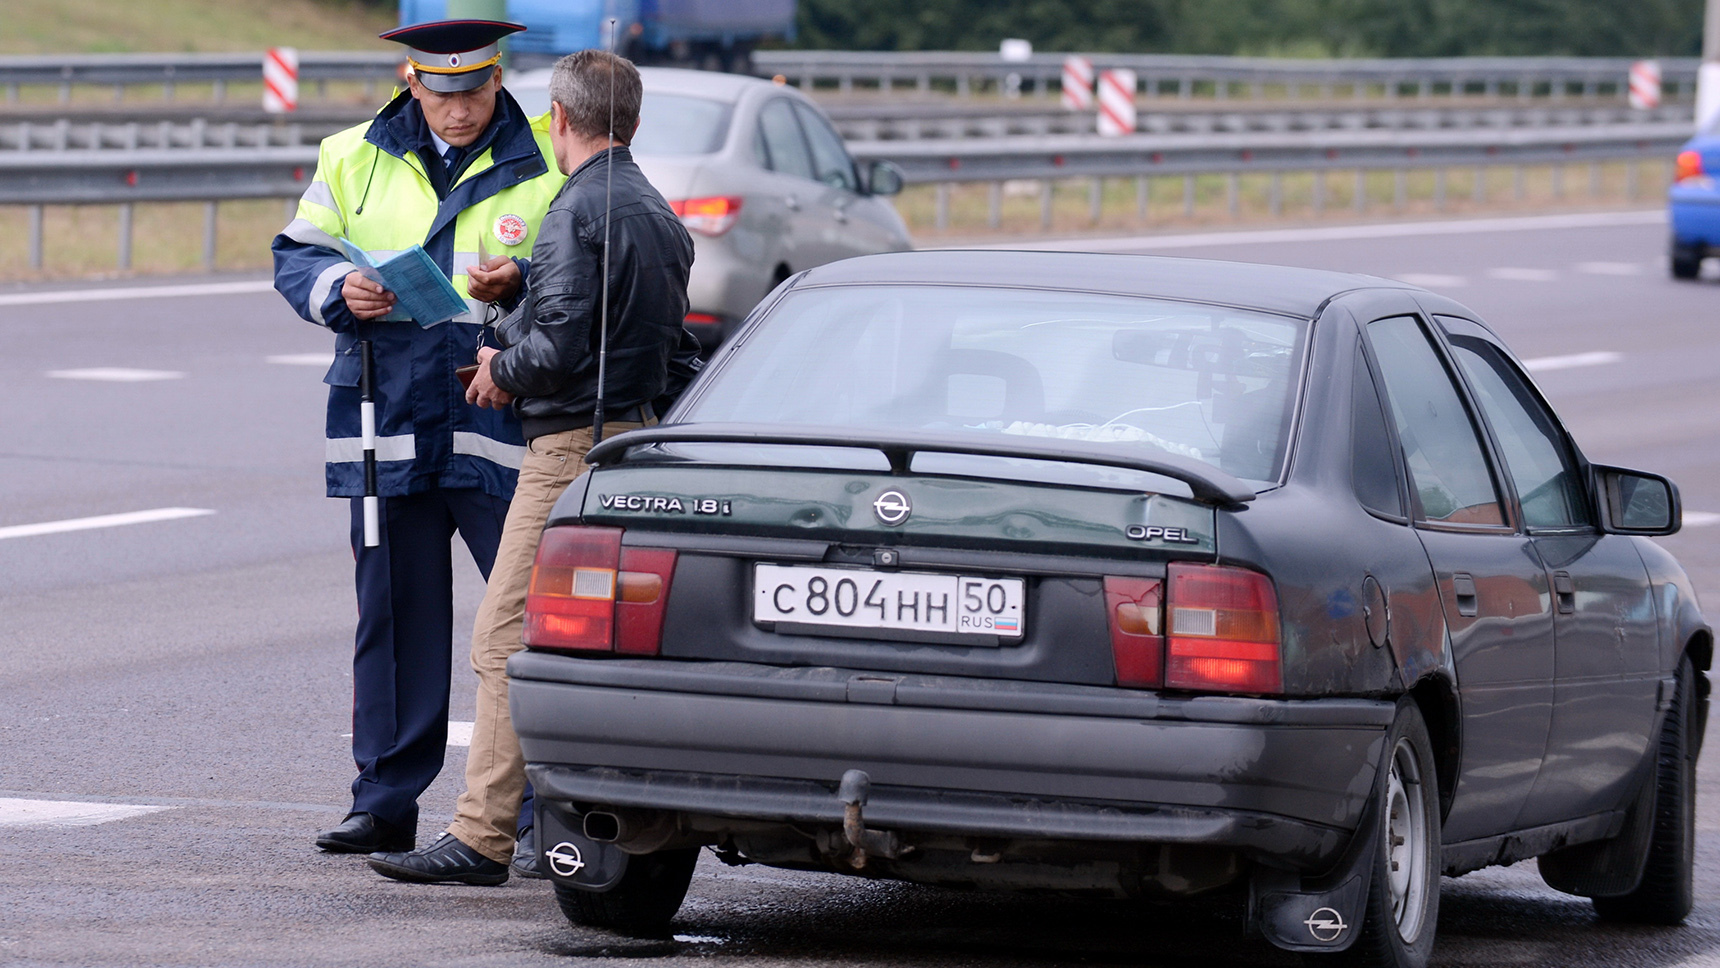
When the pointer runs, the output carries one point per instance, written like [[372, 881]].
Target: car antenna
[[603, 313]]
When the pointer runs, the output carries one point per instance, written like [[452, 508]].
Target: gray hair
[[582, 83]]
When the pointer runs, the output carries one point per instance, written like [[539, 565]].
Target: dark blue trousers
[[403, 658]]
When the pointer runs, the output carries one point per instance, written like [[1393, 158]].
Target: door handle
[[1565, 591], [792, 202], [1463, 586], [840, 215]]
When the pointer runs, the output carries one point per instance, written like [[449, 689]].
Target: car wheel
[[1686, 261], [1403, 899], [644, 901], [1665, 894]]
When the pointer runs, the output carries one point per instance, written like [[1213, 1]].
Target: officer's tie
[[451, 162]]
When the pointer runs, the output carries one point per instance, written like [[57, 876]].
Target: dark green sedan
[[1115, 576]]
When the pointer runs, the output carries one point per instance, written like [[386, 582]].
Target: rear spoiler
[[1207, 482]]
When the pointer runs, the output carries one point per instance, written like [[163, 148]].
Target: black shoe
[[447, 861], [525, 862], [365, 833]]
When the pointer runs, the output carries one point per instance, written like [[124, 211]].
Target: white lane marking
[[1433, 280], [1610, 268], [1381, 230], [101, 521], [1599, 358], [66, 813], [116, 374], [1700, 519], [459, 734], [303, 359], [1511, 274], [136, 292]]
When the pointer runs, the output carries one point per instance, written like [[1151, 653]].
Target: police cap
[[450, 56]]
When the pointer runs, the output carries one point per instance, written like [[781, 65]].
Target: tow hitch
[[856, 787]]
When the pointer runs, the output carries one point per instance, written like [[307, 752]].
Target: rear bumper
[[1694, 212], [1281, 780]]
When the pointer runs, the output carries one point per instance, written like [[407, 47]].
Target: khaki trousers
[[487, 811]]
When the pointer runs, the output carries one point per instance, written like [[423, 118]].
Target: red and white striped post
[[1117, 102], [1077, 83], [281, 80], [1645, 85]]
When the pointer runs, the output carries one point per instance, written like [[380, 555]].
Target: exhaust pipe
[[634, 831]]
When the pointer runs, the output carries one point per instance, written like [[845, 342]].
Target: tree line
[[1295, 28]]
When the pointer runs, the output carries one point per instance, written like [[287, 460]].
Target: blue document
[[420, 289]]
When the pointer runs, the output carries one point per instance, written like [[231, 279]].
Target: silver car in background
[[760, 178]]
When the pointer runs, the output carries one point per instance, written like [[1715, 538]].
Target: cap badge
[[453, 60], [510, 230]]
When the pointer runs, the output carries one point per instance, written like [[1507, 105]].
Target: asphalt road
[[196, 668]]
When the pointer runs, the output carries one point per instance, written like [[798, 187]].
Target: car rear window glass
[[1535, 453], [1210, 383], [1440, 444], [1373, 466], [674, 124], [782, 139]]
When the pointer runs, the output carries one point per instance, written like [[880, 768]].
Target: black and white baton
[[367, 421]]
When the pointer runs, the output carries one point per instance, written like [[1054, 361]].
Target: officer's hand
[[366, 299], [498, 278], [483, 392]]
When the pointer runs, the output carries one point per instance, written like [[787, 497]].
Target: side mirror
[[883, 178], [1633, 502]]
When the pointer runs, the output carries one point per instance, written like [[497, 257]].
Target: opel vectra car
[[761, 179], [1115, 575]]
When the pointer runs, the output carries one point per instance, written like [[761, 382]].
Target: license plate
[[916, 602]]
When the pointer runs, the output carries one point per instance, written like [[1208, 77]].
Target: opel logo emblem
[[1325, 924], [564, 859], [892, 507]]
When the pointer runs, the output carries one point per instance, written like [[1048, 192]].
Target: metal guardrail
[[962, 72], [876, 122], [119, 71], [1192, 75], [966, 119], [211, 175]]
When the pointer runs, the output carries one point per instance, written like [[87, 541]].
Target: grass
[[82, 241], [1020, 212], [112, 26]]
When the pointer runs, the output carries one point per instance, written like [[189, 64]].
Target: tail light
[[1136, 610], [1223, 630], [708, 216], [588, 593], [702, 319], [1689, 165]]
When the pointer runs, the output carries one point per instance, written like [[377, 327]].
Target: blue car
[[1694, 204]]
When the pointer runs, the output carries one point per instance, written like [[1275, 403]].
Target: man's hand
[[366, 299], [483, 392], [496, 279]]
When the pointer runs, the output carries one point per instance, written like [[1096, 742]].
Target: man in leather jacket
[[547, 371]]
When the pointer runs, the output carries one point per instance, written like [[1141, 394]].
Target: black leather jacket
[[550, 343]]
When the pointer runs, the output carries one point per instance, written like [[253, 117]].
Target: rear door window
[[1442, 448], [1541, 466], [784, 145], [829, 156]]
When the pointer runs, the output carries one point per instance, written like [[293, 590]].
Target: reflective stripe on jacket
[[372, 188]]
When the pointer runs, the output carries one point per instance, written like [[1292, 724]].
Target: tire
[[643, 903], [1403, 898], [1666, 892], [1686, 261]]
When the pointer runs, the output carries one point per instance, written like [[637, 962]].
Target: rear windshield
[[1152, 375], [671, 124]]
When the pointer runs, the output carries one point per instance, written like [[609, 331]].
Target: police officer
[[453, 164]]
